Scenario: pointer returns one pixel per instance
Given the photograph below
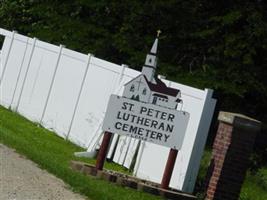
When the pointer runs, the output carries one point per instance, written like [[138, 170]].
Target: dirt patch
[[21, 179]]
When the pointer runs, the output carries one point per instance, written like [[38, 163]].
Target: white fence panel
[[10, 67], [64, 91], [35, 82], [6, 48], [120, 153], [131, 150], [101, 81], [21, 73], [200, 140], [3, 54]]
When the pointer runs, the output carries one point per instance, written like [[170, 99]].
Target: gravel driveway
[[21, 179]]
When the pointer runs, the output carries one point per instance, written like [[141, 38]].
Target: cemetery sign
[[146, 121]]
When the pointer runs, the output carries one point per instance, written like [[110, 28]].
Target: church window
[[132, 88], [144, 91]]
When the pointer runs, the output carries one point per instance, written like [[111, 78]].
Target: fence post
[[26, 73], [52, 82], [7, 56], [79, 94]]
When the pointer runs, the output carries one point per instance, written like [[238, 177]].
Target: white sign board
[[146, 121]]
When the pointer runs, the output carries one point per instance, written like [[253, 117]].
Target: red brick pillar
[[232, 147]]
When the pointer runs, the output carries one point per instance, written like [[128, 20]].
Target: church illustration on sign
[[148, 88]]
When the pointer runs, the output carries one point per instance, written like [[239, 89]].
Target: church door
[[154, 100]]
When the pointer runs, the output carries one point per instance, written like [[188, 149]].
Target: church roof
[[161, 87], [160, 95]]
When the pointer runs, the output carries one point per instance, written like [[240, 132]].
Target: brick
[[86, 170], [93, 172], [76, 165], [112, 178], [119, 180], [151, 190], [129, 183]]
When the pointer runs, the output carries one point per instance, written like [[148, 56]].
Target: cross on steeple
[[158, 33]]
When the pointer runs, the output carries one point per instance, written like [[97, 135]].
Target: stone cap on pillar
[[240, 121]]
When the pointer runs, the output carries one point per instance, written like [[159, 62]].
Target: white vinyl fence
[[68, 92]]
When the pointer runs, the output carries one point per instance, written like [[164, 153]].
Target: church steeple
[[150, 65]]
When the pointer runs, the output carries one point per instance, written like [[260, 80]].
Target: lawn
[[54, 154], [255, 186]]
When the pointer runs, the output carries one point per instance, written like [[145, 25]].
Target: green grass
[[54, 154], [204, 165], [262, 174], [254, 187]]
